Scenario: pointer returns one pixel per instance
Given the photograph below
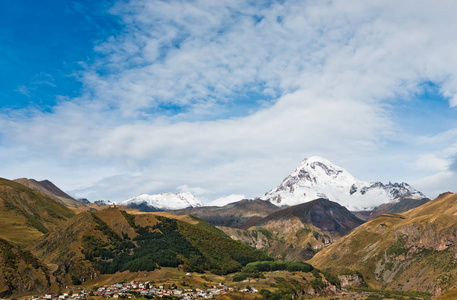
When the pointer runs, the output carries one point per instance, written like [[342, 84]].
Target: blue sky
[[44, 45], [111, 99]]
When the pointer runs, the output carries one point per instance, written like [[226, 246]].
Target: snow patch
[[164, 201]]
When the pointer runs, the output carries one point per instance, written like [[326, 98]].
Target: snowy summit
[[162, 202], [316, 177]]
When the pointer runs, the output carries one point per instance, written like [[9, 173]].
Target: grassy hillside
[[111, 240], [21, 272], [415, 250], [26, 215]]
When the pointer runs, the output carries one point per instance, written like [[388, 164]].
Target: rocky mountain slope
[[26, 214], [47, 188], [298, 232], [415, 250], [237, 214], [316, 177], [162, 202]]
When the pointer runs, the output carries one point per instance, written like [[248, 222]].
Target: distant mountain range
[[162, 202], [47, 243], [316, 177]]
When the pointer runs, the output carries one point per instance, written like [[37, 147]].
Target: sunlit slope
[[415, 250], [26, 215]]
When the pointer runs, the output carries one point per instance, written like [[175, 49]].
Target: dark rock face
[[48, 185], [326, 215], [238, 214]]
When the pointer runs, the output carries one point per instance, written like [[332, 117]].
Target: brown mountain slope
[[328, 216], [20, 272], [298, 232], [237, 214], [26, 215], [415, 250], [111, 240], [47, 188]]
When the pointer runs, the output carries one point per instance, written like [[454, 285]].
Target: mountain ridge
[[315, 177], [50, 190], [162, 202]]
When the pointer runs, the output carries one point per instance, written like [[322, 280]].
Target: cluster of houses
[[137, 289]]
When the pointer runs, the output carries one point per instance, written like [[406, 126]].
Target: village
[[135, 289]]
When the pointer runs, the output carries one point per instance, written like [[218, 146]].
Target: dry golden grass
[[163, 276], [448, 295], [426, 227], [14, 229]]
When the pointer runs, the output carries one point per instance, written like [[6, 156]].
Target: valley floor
[[173, 283]]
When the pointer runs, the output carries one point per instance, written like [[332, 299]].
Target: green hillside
[[112, 240]]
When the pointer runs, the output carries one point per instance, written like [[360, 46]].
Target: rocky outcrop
[[288, 239], [350, 280]]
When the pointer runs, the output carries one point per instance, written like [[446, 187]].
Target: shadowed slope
[[21, 272], [236, 214]]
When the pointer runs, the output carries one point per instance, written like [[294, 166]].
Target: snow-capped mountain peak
[[164, 201], [316, 177], [318, 168]]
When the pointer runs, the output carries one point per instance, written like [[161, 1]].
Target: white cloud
[[330, 71], [196, 191], [431, 162], [438, 183]]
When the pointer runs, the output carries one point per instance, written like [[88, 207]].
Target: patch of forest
[[168, 243]]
